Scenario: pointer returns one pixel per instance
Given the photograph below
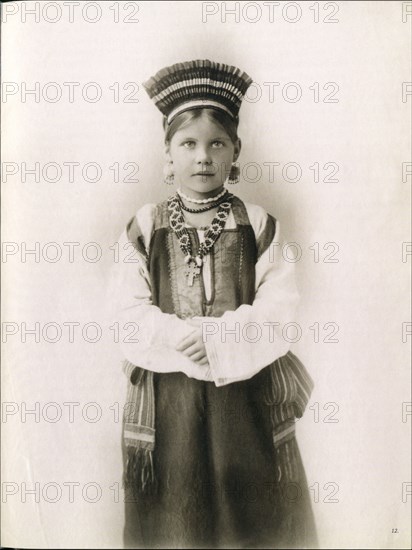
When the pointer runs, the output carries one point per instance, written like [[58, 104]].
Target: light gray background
[[366, 453]]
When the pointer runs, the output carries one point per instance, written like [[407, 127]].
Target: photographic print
[[206, 262]]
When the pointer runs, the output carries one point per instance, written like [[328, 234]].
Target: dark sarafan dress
[[214, 459]]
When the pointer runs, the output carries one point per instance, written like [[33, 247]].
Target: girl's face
[[202, 154]]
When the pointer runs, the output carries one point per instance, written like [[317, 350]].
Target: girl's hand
[[193, 347]]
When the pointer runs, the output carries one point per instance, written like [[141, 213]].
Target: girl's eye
[[188, 144], [217, 144]]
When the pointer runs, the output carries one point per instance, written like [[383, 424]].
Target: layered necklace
[[222, 197], [203, 201], [177, 223]]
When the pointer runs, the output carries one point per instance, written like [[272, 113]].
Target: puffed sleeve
[[148, 336], [240, 343]]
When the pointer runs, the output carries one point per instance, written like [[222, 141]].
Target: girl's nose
[[203, 155]]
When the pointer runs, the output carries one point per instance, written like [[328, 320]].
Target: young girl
[[213, 393]]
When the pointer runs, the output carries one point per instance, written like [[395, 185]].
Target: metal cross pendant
[[191, 272]]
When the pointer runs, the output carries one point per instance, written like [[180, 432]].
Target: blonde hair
[[228, 124]]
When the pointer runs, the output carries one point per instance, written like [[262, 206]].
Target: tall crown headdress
[[198, 84]]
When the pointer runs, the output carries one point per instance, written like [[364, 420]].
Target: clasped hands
[[192, 345]]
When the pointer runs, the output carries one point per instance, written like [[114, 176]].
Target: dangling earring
[[234, 174], [168, 173]]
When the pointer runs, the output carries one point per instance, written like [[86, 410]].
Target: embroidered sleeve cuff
[[214, 364]]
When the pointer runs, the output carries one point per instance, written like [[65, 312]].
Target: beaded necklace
[[203, 208], [177, 223], [201, 201]]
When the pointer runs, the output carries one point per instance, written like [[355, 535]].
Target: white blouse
[[238, 344]]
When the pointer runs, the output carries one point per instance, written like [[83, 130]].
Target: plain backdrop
[[354, 442]]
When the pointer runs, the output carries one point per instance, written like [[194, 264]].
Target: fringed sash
[[287, 396], [139, 430]]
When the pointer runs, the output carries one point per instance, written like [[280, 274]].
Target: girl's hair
[[228, 124]]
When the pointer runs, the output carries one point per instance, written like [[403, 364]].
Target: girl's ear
[[238, 147]]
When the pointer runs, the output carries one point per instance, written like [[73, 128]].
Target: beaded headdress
[[198, 84]]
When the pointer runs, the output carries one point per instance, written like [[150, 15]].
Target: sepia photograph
[[206, 264]]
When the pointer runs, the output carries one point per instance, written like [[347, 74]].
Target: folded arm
[[240, 343], [156, 335]]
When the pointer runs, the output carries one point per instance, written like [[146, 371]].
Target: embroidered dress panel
[[206, 270], [231, 267]]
